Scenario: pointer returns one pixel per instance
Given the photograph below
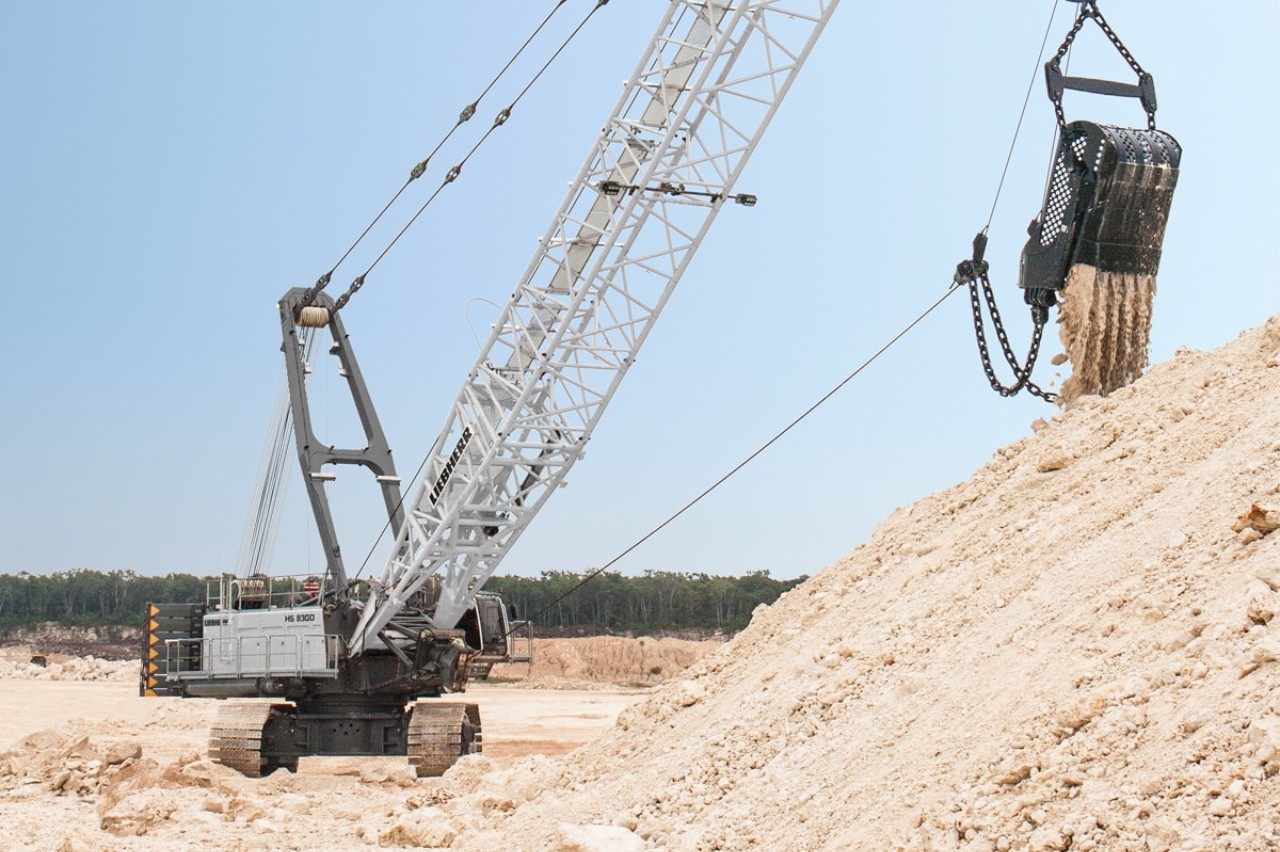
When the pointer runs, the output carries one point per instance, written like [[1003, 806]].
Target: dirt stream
[[1074, 649]]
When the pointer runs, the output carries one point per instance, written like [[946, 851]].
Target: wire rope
[[502, 116], [257, 544], [467, 111], [456, 170], [463, 117], [1021, 115]]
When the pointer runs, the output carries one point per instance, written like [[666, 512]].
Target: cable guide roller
[[1099, 234]]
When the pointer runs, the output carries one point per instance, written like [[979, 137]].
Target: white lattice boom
[[667, 160]]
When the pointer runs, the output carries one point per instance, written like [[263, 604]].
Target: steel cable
[[499, 120], [1018, 129], [746, 461], [467, 112]]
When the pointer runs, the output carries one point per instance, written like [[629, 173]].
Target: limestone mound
[[1072, 649], [72, 669]]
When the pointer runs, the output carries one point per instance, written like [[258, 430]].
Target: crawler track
[[236, 738], [441, 733]]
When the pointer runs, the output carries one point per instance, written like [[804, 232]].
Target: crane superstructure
[[353, 662]]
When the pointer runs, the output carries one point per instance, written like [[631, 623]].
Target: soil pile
[[61, 667], [146, 783], [1074, 649], [623, 661]]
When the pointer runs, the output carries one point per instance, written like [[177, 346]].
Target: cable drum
[[313, 316]]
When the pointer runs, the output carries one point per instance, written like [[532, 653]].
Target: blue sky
[[169, 170]]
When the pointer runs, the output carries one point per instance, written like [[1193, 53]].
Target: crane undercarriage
[[257, 738]]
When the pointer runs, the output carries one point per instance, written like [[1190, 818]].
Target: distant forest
[[656, 601]]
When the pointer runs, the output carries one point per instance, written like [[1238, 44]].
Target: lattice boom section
[[665, 163]]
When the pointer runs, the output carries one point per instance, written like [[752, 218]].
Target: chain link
[[1116, 42], [1021, 372]]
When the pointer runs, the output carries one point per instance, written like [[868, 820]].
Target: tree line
[[90, 598], [655, 601]]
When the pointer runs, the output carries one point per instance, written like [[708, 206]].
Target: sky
[[169, 170]]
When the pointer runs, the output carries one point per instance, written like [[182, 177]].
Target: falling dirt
[[1105, 320], [1077, 648]]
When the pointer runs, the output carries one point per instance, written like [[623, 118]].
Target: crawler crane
[[348, 663]]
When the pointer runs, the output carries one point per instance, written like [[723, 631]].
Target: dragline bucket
[[1106, 207]]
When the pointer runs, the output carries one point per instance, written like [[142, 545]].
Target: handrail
[[217, 662]]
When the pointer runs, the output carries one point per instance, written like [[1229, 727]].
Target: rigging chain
[[974, 271], [1089, 9]]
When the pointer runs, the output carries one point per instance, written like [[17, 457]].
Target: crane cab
[[501, 637]]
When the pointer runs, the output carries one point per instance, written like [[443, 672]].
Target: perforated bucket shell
[[1107, 203], [1123, 229]]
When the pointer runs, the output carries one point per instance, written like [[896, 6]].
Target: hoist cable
[[974, 270], [746, 461], [499, 120], [467, 112], [1025, 101], [1057, 136], [262, 527]]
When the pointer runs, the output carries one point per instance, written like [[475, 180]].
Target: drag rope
[[746, 461]]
